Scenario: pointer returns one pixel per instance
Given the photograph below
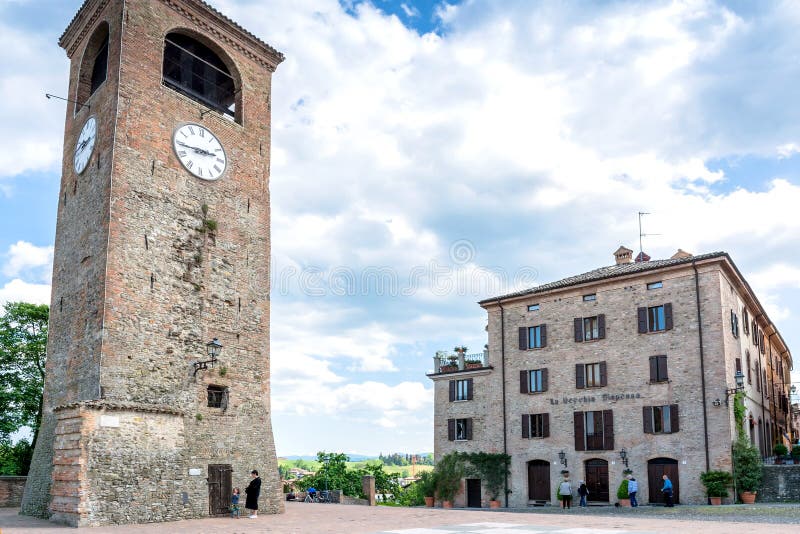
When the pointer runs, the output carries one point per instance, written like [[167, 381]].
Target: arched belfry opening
[[94, 65], [192, 68]]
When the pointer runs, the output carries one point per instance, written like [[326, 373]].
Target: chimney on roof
[[681, 254], [642, 256], [623, 255]]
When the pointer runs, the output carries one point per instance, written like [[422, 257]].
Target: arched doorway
[[656, 468], [597, 479], [539, 480]]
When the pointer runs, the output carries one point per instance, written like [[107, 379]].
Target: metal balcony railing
[[445, 362]]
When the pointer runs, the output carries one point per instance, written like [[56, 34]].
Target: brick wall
[[11, 489], [781, 483]]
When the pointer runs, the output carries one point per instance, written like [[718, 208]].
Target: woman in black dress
[[253, 490]]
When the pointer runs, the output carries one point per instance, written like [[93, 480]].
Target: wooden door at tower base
[[656, 468], [219, 489], [539, 480], [597, 480]]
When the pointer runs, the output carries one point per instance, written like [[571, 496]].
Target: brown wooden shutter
[[469, 389], [543, 332], [544, 379], [523, 338], [451, 429], [662, 368], [603, 374], [546, 425], [749, 369], [642, 319], [578, 325], [608, 430], [758, 375], [526, 426], [738, 364], [668, 316], [653, 368], [733, 326], [452, 390], [524, 381], [601, 326], [673, 418], [647, 419], [580, 435], [469, 428], [580, 382]]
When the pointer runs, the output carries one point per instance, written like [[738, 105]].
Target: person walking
[[565, 490], [253, 490], [583, 492], [667, 491], [633, 487]]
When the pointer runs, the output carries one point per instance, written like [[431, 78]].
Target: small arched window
[[94, 65], [193, 69]]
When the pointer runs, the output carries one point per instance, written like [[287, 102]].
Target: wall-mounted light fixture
[[739, 378], [213, 348], [623, 454], [563, 457]]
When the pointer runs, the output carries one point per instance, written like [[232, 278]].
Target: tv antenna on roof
[[641, 235]]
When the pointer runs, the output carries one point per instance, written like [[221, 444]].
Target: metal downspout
[[503, 378], [702, 364]]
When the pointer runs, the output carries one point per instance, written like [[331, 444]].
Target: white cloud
[[788, 149], [19, 291], [27, 258], [410, 11]]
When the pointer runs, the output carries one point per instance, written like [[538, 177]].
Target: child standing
[[583, 491], [235, 503]]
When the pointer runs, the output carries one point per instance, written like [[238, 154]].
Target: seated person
[[291, 496], [312, 492]]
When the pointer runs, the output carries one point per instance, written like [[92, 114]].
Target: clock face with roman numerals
[[199, 151]]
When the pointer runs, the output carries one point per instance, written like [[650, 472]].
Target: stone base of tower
[[122, 463]]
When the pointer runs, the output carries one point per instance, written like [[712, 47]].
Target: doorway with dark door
[[656, 469], [539, 480], [219, 489], [597, 479], [473, 493]]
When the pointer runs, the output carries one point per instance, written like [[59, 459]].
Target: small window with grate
[[217, 397]]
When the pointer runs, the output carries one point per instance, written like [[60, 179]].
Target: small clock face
[[85, 145], [200, 151]]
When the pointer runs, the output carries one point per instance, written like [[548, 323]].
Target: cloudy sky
[[430, 154]]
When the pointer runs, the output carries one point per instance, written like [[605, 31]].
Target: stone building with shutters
[[628, 366], [161, 260]]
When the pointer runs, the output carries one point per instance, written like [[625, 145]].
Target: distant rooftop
[[611, 271]]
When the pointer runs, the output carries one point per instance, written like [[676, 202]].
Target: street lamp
[[623, 454], [563, 457], [739, 378], [213, 348]]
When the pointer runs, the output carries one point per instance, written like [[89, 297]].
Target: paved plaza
[[303, 518]]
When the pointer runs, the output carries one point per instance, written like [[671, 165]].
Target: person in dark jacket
[[583, 491], [253, 490]]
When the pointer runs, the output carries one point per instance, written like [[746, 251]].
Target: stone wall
[[781, 484], [11, 489]]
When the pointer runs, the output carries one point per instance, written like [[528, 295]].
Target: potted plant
[[716, 483], [473, 364], [746, 470], [796, 453], [449, 472], [622, 493], [492, 468], [462, 349], [780, 451], [427, 486]]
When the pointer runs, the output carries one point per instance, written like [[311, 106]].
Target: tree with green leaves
[[23, 350]]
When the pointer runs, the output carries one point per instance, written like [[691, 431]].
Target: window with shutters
[[655, 285], [738, 365], [590, 328], [754, 331], [658, 369], [745, 322], [660, 419], [734, 324], [591, 375], [535, 384], [758, 375], [461, 390], [535, 425], [749, 370], [535, 337], [596, 430], [655, 318]]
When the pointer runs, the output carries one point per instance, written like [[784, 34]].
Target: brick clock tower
[[157, 391]]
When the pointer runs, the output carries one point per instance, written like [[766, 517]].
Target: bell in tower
[[156, 398]]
